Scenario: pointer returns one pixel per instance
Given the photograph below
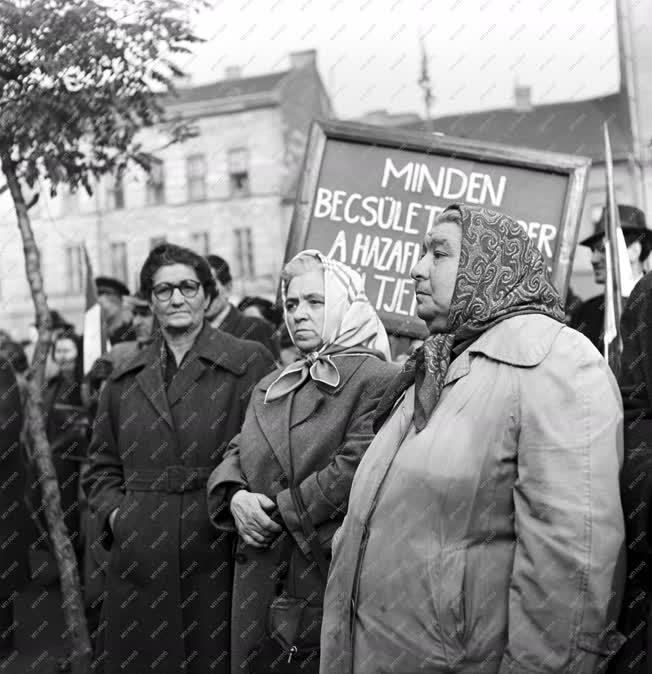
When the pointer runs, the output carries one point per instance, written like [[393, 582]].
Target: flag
[[619, 279], [424, 79], [96, 342]]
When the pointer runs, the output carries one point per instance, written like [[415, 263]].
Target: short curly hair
[[166, 254]]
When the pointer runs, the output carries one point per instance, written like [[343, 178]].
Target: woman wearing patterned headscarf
[[288, 474], [484, 523]]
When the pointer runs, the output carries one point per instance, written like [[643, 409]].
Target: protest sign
[[369, 194]]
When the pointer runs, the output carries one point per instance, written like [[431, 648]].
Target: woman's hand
[[254, 525]]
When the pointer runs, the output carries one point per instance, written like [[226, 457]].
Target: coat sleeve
[[228, 474], [325, 493], [104, 480], [635, 388], [568, 571], [221, 483]]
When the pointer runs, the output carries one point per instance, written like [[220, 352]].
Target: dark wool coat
[[168, 580], [249, 327], [327, 431], [636, 481], [15, 524]]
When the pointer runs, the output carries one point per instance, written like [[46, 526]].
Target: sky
[[370, 57]]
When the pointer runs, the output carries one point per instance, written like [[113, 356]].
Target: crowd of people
[[263, 489]]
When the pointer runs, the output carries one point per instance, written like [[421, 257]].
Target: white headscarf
[[351, 327]]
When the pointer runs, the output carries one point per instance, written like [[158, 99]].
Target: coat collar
[[523, 341], [216, 347], [279, 416], [212, 349]]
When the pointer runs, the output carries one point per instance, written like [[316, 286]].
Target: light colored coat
[[491, 543], [326, 430]]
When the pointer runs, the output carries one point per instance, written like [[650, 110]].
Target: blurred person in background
[[67, 424], [15, 524], [164, 421], [223, 315], [259, 307], [588, 317], [15, 354], [116, 314]]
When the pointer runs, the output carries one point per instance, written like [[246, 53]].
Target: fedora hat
[[632, 221]]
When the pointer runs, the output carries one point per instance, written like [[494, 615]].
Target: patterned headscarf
[[501, 274], [351, 327]]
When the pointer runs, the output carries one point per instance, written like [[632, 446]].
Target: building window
[[239, 172], [196, 177], [156, 185], [157, 241], [244, 252], [119, 267], [201, 242], [115, 195], [74, 270]]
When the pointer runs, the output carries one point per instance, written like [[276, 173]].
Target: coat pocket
[[128, 562], [449, 594]]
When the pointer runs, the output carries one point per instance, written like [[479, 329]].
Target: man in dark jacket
[[636, 479], [588, 318], [224, 316], [110, 295], [15, 524]]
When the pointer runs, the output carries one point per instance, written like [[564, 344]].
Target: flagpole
[[613, 286], [424, 83]]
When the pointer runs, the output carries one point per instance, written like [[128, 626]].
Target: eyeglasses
[[164, 291]]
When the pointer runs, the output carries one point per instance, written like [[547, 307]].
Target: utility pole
[[425, 84]]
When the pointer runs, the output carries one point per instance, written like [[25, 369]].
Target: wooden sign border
[[575, 167]]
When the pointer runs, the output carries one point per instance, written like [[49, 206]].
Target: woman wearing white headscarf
[[287, 476]]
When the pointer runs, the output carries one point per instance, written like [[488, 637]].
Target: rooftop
[[570, 128]]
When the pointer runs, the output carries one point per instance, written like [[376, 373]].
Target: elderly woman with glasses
[[164, 421]]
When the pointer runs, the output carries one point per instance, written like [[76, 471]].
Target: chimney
[[522, 98], [233, 72], [303, 59]]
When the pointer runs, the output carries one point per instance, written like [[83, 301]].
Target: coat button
[[284, 482], [240, 557]]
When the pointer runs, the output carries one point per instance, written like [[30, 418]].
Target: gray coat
[[327, 430], [169, 575]]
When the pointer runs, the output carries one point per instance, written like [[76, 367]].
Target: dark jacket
[[250, 327], [588, 319], [15, 524], [636, 480], [327, 431], [168, 581]]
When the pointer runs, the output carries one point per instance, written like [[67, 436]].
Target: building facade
[[227, 190]]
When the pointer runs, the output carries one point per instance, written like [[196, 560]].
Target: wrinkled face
[[183, 311], [304, 309], [435, 274], [65, 353]]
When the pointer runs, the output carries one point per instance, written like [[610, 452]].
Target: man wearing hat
[[110, 294], [221, 314], [588, 318]]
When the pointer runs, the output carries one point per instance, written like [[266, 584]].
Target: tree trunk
[[72, 606]]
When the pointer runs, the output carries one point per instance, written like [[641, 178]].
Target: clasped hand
[[250, 512]]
